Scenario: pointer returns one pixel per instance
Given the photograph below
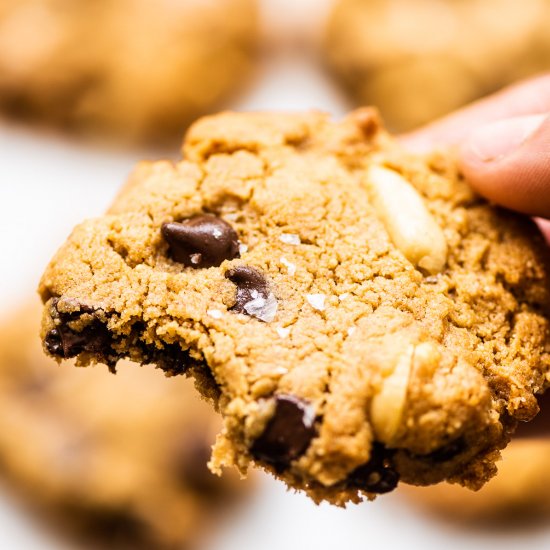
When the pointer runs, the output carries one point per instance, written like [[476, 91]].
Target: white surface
[[47, 185]]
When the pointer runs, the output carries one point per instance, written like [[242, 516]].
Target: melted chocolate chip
[[172, 359], [201, 241], [54, 344], [288, 433], [250, 284], [377, 475], [445, 453], [64, 342]]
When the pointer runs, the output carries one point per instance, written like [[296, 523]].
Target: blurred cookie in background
[[419, 59], [520, 493], [116, 461], [132, 70]]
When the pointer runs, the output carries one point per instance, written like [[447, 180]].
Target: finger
[[508, 162], [528, 98], [544, 226]]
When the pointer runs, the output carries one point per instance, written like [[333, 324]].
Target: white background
[[50, 183]]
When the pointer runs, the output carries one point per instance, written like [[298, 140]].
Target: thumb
[[508, 162]]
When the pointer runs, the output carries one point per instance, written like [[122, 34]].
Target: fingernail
[[499, 139]]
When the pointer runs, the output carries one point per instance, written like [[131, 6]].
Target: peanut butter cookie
[[132, 69], [420, 59], [357, 314]]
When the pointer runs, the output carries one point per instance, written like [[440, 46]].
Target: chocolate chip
[[445, 453], [54, 344], [377, 475], [65, 342], [287, 434], [250, 284], [201, 241], [172, 359]]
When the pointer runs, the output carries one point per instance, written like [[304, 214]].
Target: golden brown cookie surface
[[358, 314], [420, 59], [118, 460], [134, 69]]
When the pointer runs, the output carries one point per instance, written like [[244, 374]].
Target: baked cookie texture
[[131, 70], [420, 59], [357, 314], [118, 462], [518, 496]]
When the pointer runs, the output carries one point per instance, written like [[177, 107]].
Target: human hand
[[504, 145], [504, 151]]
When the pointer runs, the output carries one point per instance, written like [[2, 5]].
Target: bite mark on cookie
[[66, 342]]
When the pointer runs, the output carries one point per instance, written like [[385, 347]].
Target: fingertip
[[418, 143], [508, 162]]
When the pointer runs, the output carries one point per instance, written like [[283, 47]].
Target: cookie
[[517, 496], [420, 59], [119, 461], [356, 313], [132, 69]]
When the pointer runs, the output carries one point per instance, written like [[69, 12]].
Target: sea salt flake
[[290, 238], [215, 313], [291, 268], [317, 301], [351, 330], [262, 308], [283, 332], [196, 258], [343, 296], [309, 416], [243, 248], [280, 370], [217, 233]]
